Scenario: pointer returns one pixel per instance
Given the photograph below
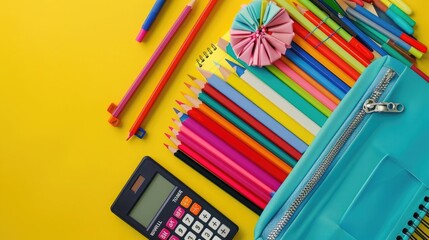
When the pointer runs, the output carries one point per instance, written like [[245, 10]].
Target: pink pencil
[[231, 168], [197, 157], [116, 110], [226, 149], [305, 85]]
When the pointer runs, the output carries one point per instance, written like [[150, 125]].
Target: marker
[[150, 19]]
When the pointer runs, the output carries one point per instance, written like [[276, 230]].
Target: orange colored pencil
[[173, 65]]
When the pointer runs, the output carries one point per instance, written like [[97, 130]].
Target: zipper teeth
[[379, 89]]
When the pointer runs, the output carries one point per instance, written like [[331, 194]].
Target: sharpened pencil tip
[[171, 128], [222, 44], [205, 73], [165, 144], [179, 102], [192, 77], [188, 85], [176, 110], [167, 135], [216, 64]]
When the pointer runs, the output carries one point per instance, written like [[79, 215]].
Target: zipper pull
[[370, 106]]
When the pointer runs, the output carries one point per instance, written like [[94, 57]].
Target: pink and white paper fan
[[261, 33]]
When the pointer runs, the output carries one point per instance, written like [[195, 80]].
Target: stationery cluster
[[247, 126], [116, 110]]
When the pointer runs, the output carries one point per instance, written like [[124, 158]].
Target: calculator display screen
[[151, 200]]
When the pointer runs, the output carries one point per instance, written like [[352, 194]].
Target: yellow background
[[61, 64]]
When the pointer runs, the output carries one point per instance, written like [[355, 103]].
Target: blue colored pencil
[[319, 67], [365, 39], [258, 113], [150, 19], [333, 88]]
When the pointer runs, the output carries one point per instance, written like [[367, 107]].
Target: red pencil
[[302, 32], [249, 119], [173, 65], [332, 34]]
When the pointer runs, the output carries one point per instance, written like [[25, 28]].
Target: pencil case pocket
[[367, 168]]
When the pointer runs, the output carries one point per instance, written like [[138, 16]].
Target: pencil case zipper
[[371, 105]]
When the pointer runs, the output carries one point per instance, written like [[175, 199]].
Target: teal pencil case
[[366, 175]]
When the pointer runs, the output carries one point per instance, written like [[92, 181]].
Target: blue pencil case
[[366, 175]]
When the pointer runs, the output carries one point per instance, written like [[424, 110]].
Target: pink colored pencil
[[305, 85], [166, 77], [116, 110], [195, 155], [225, 148], [231, 168]]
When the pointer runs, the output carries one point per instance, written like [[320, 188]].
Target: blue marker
[[150, 19]]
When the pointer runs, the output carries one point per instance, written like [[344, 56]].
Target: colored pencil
[[265, 104], [116, 110], [331, 19], [321, 36], [315, 43], [225, 147], [402, 23], [299, 41], [320, 67], [363, 36], [261, 144], [337, 38], [393, 50], [337, 87], [258, 113], [310, 80], [150, 19], [276, 86], [280, 102], [397, 52], [383, 31], [219, 178], [246, 117], [136, 129], [364, 15], [272, 75], [279, 171], [392, 7], [231, 168]]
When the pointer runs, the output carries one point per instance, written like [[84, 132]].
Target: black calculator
[[160, 206]]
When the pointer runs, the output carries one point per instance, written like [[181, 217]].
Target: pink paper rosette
[[261, 33]]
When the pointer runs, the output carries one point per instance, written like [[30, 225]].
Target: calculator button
[[214, 223], [164, 234], [174, 238], [180, 230], [217, 238], [179, 212], [205, 216], [195, 208], [188, 219], [186, 202], [190, 236], [171, 223], [197, 227], [207, 234], [223, 230]]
